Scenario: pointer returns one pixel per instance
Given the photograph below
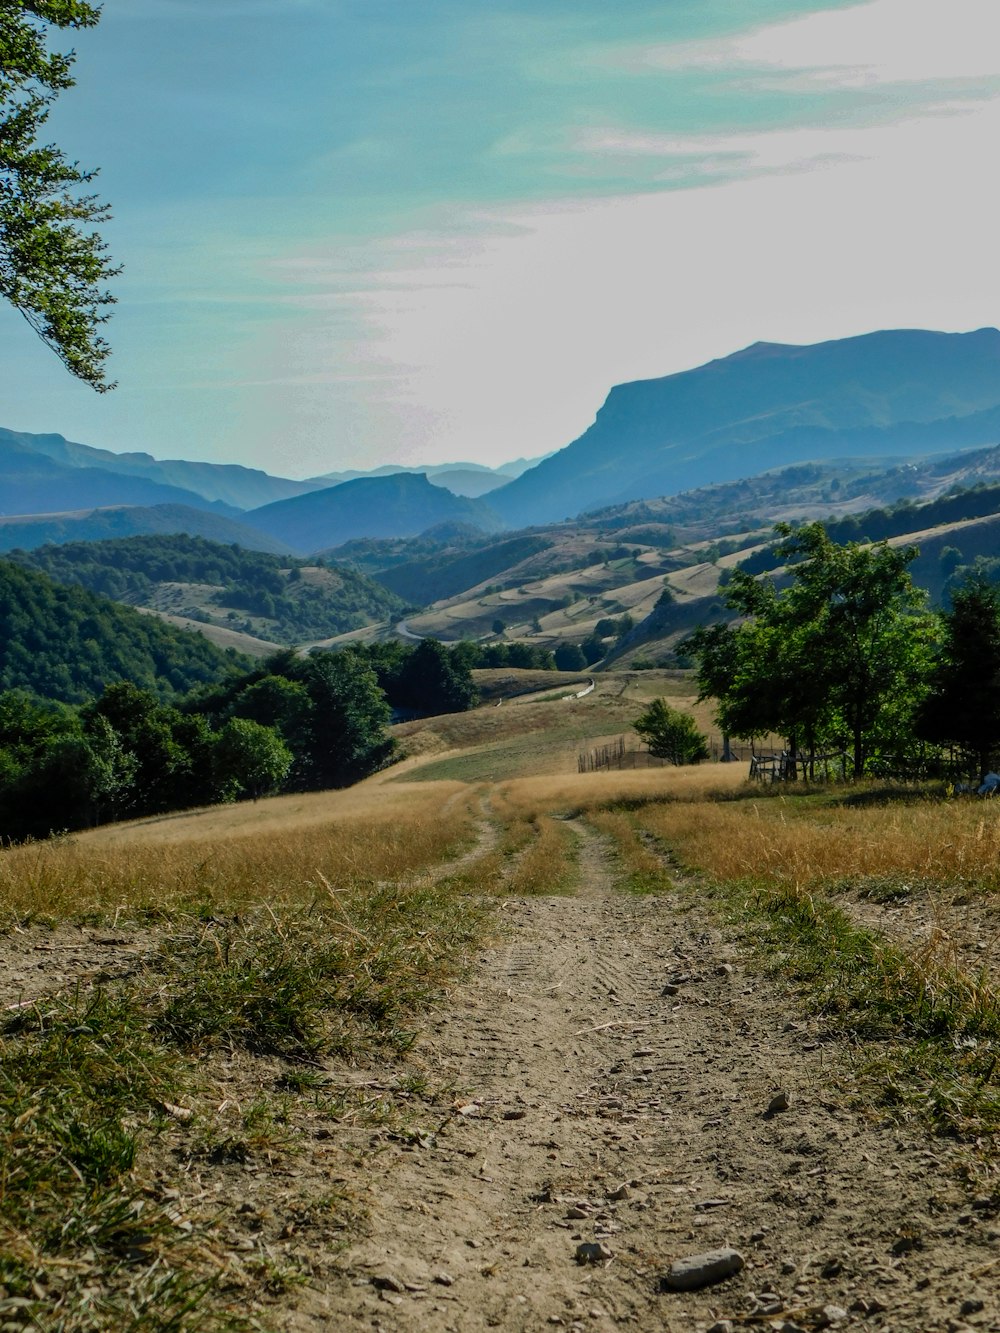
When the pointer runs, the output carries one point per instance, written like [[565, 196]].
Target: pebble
[[970, 1306], [671, 988], [444, 1279], [388, 1282], [701, 1270], [831, 1314], [592, 1252], [622, 1192], [724, 970], [721, 1326], [576, 1213], [779, 1102]]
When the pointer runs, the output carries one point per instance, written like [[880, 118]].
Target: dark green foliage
[[671, 734], [963, 705], [446, 574], [838, 659], [569, 657], [346, 740], [52, 265], [593, 649], [249, 759], [432, 680], [271, 587], [897, 520], [525, 656], [65, 643]]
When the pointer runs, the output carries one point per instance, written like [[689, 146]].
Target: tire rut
[[590, 1104]]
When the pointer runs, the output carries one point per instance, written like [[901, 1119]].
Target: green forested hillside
[[275, 597], [67, 643], [444, 575]]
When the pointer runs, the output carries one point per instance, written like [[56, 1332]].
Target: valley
[[367, 964]]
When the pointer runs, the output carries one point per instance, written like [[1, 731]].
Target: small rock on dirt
[[701, 1270], [444, 1279], [388, 1282], [779, 1102], [592, 1252], [622, 1192], [831, 1314]]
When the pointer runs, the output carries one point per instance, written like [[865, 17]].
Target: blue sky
[[360, 231]]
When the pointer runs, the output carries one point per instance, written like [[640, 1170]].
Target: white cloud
[[505, 334], [883, 42]]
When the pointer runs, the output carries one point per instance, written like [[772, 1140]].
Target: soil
[[589, 1106], [572, 1099]]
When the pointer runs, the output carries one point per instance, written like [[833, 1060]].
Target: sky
[[358, 232]]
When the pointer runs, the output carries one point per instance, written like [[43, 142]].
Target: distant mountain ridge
[[226, 483], [31, 530], [401, 504], [892, 392]]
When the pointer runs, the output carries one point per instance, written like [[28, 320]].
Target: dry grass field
[[199, 1003]]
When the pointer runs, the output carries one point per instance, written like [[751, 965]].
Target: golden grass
[[802, 843], [277, 851], [589, 791]]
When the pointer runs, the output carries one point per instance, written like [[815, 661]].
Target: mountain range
[[891, 394], [899, 392]]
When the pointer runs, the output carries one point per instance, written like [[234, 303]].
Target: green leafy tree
[[962, 707], [347, 738], [249, 760], [671, 734], [840, 656], [593, 649], [52, 263], [275, 701], [433, 680], [569, 657]]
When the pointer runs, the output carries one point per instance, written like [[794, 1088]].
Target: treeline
[[845, 659], [67, 644], [131, 569], [876, 525], [291, 724]]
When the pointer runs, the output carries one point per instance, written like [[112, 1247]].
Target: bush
[[671, 734]]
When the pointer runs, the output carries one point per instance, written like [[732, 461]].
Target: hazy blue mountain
[[469, 479], [33, 483], [399, 505], [889, 393], [34, 530], [470, 482], [232, 485]]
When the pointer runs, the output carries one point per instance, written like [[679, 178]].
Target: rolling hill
[[67, 643], [209, 585], [28, 531]]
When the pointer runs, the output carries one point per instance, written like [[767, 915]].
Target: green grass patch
[[928, 1038], [92, 1080]]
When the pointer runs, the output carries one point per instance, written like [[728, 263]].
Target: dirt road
[[610, 1067]]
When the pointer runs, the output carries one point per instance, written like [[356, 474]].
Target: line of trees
[[841, 654], [294, 724]]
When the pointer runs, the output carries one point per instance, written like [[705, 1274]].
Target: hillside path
[[586, 1105]]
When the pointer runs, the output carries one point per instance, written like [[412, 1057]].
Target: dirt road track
[[572, 1074]]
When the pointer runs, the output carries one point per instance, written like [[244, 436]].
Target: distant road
[[404, 631]]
